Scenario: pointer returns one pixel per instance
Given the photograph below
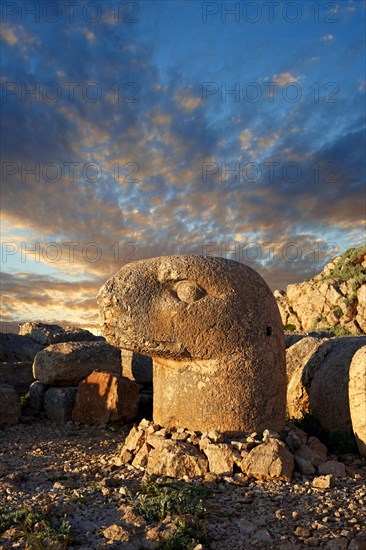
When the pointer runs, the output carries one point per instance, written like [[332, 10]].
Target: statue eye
[[188, 291]]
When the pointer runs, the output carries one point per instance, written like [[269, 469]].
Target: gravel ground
[[69, 473]]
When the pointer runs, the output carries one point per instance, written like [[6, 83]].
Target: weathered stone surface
[[329, 299], [357, 398], [303, 359], [37, 391], [328, 394], [66, 364], [135, 439], [220, 458], [39, 332], [295, 437], [10, 408], [333, 467], [103, 398], [314, 452], [141, 457], [46, 334], [299, 354], [59, 403], [214, 331], [17, 349], [18, 375], [176, 460], [137, 367], [270, 460]]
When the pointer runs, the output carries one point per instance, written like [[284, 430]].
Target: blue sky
[[230, 128]]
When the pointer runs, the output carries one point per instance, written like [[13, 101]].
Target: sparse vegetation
[[158, 500], [289, 328], [349, 267], [184, 505], [340, 332], [60, 477], [25, 400], [338, 312], [186, 537], [38, 528]]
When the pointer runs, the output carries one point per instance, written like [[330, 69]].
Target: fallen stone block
[[59, 403], [103, 398], [17, 374], [69, 363], [10, 408], [357, 398], [37, 391]]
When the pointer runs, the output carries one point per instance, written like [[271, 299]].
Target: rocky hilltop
[[335, 299]]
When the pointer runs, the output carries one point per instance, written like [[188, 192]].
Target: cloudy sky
[[137, 129]]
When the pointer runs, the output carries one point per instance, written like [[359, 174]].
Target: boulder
[[18, 375], [17, 349], [59, 403], [10, 408], [329, 394], [302, 361], [304, 466], [46, 334], [74, 334], [137, 367], [39, 332], [104, 398], [66, 364], [271, 460], [37, 391], [357, 398], [298, 355], [177, 459], [214, 332]]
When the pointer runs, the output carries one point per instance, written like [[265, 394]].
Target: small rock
[[304, 466], [323, 482], [177, 460], [333, 467], [302, 532], [116, 532], [220, 458]]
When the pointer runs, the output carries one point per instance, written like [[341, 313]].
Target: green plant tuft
[[38, 528], [25, 400], [289, 327], [157, 500], [338, 312], [186, 537]]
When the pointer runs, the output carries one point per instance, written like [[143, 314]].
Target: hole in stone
[[269, 331]]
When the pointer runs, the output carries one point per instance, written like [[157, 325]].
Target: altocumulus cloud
[[125, 140]]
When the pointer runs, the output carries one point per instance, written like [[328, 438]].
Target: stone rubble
[[181, 453], [75, 472]]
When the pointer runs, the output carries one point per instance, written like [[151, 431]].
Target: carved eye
[[188, 291]]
